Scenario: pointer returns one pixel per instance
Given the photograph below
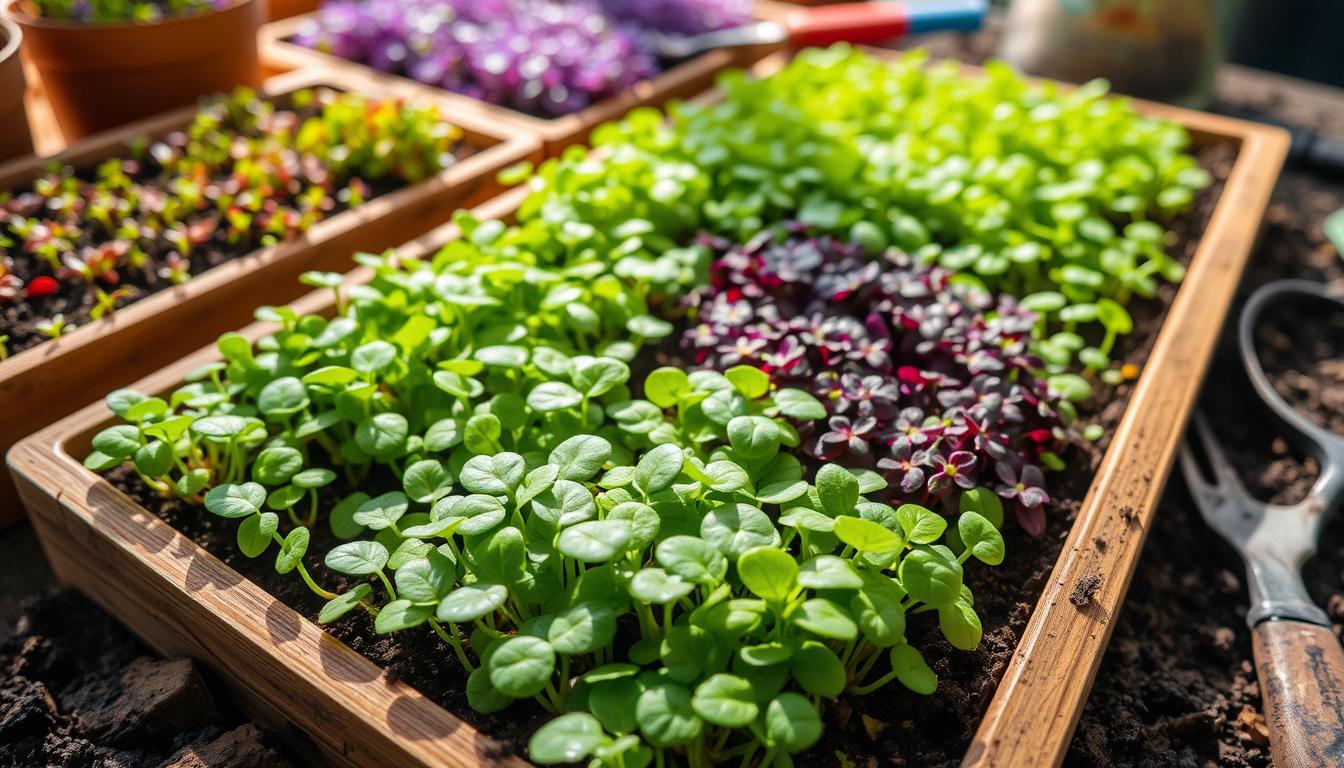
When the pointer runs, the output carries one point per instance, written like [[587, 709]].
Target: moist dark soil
[[75, 300], [79, 691], [893, 727], [1177, 686]]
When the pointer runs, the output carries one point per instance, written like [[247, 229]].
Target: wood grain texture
[[1032, 716], [58, 376], [680, 81], [1301, 671]]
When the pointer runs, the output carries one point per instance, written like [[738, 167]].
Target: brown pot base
[[99, 76]]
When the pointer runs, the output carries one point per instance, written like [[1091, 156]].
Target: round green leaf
[[230, 500], [553, 396], [383, 435], [754, 437], [344, 603], [792, 723], [426, 481], [521, 666], [726, 700], [768, 572], [829, 572], [471, 602], [981, 537], [655, 586], [582, 629], [282, 397], [797, 404], [824, 618], [818, 670], [659, 468], [692, 558], [665, 386], [382, 511], [750, 382], [154, 459], [399, 615], [580, 457], [568, 738], [119, 442], [292, 550], [496, 475], [255, 533], [931, 578], [960, 625], [921, 525], [911, 670], [866, 535], [595, 541], [666, 716], [735, 528], [357, 558]]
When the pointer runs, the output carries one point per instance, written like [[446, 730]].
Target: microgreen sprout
[[246, 174]]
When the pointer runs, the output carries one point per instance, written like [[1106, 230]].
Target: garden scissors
[[1298, 659], [868, 23]]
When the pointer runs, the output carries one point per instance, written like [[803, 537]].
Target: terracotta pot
[[99, 76], [14, 137], [283, 9]]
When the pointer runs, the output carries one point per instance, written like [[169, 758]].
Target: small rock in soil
[[1084, 590], [150, 699], [1251, 726], [243, 747]]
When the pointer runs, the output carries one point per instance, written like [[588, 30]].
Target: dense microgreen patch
[[1054, 196], [246, 173], [926, 378], [111, 11], [689, 565], [543, 57]]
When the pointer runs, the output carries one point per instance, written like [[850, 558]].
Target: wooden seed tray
[[685, 79], [182, 600], [46, 382]]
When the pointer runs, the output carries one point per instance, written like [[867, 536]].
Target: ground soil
[[79, 691], [923, 731], [1177, 686]]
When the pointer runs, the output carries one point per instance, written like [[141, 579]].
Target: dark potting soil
[[1177, 686], [77, 690], [75, 301], [893, 727]]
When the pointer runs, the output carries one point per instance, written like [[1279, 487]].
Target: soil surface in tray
[[1177, 686], [77, 690], [19, 320], [894, 726]]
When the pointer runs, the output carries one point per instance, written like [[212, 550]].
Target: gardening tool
[[1299, 661], [861, 23]]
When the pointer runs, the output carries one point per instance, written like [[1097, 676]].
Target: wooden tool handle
[[1301, 671]]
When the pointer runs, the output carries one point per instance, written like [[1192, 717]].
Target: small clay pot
[[283, 9], [99, 76], [15, 141]]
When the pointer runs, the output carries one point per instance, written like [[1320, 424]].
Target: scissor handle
[[1329, 445]]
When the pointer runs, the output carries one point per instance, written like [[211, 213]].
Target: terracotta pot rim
[[24, 19], [13, 37]]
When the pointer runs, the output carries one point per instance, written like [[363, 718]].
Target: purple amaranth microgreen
[[927, 378]]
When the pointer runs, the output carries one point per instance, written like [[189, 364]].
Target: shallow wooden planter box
[[685, 79], [182, 600], [46, 382]]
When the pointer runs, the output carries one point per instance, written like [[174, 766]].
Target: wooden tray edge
[[378, 223], [182, 600]]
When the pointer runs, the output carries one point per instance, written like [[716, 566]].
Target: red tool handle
[[859, 23]]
